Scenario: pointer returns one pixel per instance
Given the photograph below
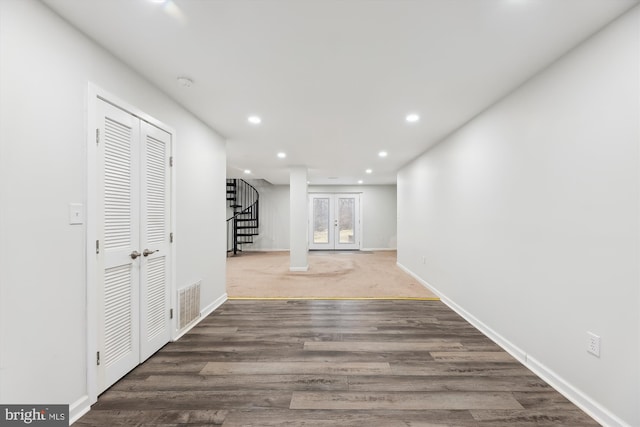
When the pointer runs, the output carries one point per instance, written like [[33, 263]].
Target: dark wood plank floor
[[333, 363]]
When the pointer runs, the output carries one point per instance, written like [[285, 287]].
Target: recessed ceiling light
[[383, 154], [247, 171], [254, 120], [360, 181], [369, 171], [185, 81], [412, 118], [282, 155]]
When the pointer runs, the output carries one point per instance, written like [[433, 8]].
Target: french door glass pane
[[346, 220], [320, 220]]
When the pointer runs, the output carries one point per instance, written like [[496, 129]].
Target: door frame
[[334, 194], [96, 93]]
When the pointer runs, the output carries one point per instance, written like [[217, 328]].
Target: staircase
[[243, 198]]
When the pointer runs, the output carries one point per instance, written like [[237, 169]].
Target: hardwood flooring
[[333, 363]]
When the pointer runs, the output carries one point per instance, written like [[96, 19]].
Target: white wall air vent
[[189, 305]]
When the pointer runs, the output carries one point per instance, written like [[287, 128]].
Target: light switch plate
[[76, 213]]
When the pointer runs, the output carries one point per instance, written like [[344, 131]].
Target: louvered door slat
[[117, 184], [155, 234], [119, 228], [156, 190], [134, 191]]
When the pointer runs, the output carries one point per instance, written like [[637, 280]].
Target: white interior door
[[154, 240], [133, 216], [118, 242], [334, 221]]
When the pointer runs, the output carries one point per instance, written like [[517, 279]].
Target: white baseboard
[[213, 306], [581, 400], [265, 250], [418, 278], [299, 268], [378, 249], [584, 402], [203, 313], [287, 250], [78, 408], [83, 405]]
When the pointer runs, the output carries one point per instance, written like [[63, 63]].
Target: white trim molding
[[78, 408], [265, 250], [584, 402], [203, 314], [581, 400]]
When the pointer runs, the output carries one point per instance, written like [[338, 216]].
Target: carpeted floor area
[[330, 275]]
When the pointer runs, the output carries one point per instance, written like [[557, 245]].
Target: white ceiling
[[333, 80]]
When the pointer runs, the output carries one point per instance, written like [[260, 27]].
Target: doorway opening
[[335, 221]]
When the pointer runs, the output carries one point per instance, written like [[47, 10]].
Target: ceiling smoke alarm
[[185, 81]]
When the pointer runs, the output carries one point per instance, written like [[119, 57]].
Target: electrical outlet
[[593, 344], [424, 259]]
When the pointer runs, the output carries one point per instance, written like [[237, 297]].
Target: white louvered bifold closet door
[[133, 242], [118, 296], [155, 239]]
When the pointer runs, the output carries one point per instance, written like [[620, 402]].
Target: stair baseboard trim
[[78, 408], [592, 408]]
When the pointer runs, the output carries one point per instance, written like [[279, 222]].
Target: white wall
[[274, 217], [378, 207], [45, 70], [528, 219]]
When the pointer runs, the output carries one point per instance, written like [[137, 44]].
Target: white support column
[[299, 218]]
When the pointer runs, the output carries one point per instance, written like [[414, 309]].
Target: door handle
[[134, 254], [147, 252]]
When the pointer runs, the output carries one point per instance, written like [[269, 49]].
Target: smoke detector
[[185, 81]]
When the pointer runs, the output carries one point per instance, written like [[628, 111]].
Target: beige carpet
[[330, 275]]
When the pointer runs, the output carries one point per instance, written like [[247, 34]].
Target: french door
[[132, 250], [334, 221]]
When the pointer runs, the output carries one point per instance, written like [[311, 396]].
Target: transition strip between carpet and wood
[[334, 298]]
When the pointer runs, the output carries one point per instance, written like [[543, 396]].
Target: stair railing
[[244, 224]]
